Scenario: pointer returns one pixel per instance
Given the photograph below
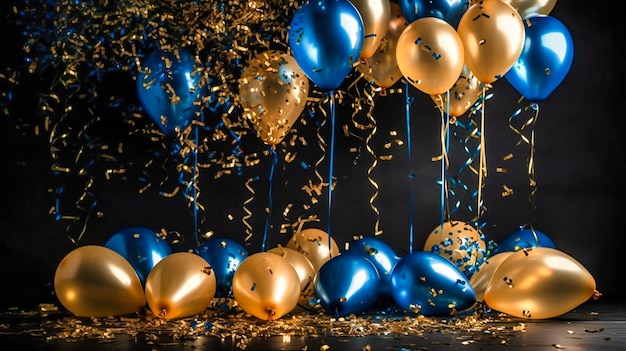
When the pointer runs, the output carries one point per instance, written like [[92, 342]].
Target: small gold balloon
[[181, 285], [480, 280], [95, 281], [304, 268], [375, 15], [463, 94], [459, 242], [266, 286], [315, 244], [529, 8]]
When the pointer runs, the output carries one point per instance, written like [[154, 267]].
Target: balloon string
[[530, 141], [482, 167], [444, 161], [331, 162], [195, 184], [269, 199], [407, 108]]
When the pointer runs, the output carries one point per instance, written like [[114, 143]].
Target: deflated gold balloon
[[375, 15], [480, 280], [314, 244], [304, 268], [95, 281], [529, 8], [493, 36], [430, 55], [266, 286], [381, 67], [273, 91], [181, 285], [463, 94], [539, 283]]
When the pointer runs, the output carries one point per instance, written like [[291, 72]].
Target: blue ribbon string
[[269, 198], [331, 162], [411, 175]]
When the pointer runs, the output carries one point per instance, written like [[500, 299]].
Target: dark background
[[579, 171]]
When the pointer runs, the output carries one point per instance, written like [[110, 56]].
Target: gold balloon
[[430, 55], [539, 283], [382, 67], [463, 94], [480, 280], [375, 15], [529, 8], [181, 285], [95, 281], [314, 244], [266, 286], [273, 91], [459, 242], [493, 36], [304, 268]]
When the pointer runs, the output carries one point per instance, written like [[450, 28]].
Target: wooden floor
[[594, 326]]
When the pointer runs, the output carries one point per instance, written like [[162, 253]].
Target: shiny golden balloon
[[266, 286], [273, 91], [181, 285], [375, 15], [463, 94], [315, 244], [95, 281], [529, 8], [430, 55], [381, 68], [493, 36], [304, 268], [539, 283], [480, 280]]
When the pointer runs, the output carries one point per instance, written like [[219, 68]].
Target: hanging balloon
[[170, 89], [224, 255], [181, 285], [539, 283], [375, 15], [382, 256], [382, 67], [450, 11], [492, 33], [266, 286], [304, 268], [141, 247], [273, 91], [95, 281], [459, 243], [430, 55], [529, 8], [326, 39], [543, 64], [480, 280], [426, 283], [347, 284], [525, 238], [314, 244], [463, 94]]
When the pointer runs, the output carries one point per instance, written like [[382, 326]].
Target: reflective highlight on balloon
[[480, 280], [525, 238], [224, 255], [529, 8], [315, 244], [304, 268], [382, 256], [375, 15]]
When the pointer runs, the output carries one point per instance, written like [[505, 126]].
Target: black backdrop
[[578, 155]]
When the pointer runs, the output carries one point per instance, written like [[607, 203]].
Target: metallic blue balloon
[[381, 255], [224, 255], [347, 284], [326, 39], [450, 11], [169, 89], [427, 283], [525, 238], [141, 247], [545, 59]]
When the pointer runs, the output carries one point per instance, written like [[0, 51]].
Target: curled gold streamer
[[530, 141], [248, 214]]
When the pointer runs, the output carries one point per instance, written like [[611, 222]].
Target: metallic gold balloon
[[266, 286], [273, 91], [304, 268], [484, 272], [430, 55], [529, 8], [375, 15], [95, 281], [381, 67], [314, 244], [180, 285], [493, 35], [539, 283], [463, 94]]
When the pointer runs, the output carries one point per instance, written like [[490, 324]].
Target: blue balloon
[[170, 90], [545, 59], [525, 238], [427, 283], [347, 284], [224, 255], [326, 39], [141, 247], [381, 255], [450, 11]]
